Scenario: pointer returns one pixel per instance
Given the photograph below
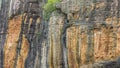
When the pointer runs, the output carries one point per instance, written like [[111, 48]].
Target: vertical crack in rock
[[90, 45], [63, 43]]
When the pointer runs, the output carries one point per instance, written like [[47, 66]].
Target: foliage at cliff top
[[49, 7]]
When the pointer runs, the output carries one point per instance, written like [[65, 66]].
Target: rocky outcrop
[[55, 47], [79, 34], [91, 38]]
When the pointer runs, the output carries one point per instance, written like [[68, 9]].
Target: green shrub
[[49, 7]]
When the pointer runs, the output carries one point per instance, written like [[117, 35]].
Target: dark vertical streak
[[78, 49], [32, 52], [63, 43], [3, 28], [90, 45]]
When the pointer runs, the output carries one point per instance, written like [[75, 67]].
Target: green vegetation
[[38, 34], [49, 7]]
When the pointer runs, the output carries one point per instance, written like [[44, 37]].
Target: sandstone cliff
[[78, 34]]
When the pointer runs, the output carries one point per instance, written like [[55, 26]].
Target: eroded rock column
[[55, 46]]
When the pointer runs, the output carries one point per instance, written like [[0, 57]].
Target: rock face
[[56, 49], [79, 34]]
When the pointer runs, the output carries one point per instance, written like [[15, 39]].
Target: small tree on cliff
[[49, 7]]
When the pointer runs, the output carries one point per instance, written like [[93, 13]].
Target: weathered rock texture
[[79, 34]]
